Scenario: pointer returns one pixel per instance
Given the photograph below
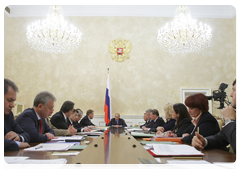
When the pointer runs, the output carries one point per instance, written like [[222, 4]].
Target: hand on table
[[198, 141]]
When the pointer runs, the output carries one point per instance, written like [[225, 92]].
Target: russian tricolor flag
[[107, 107]]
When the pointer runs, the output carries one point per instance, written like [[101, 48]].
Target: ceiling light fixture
[[183, 34], [53, 34]]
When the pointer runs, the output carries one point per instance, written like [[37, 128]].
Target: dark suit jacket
[[120, 122], [150, 123], [59, 121], [226, 136], [169, 124], [77, 126], [147, 123], [29, 122], [154, 124], [207, 124], [86, 122], [184, 124], [11, 125]]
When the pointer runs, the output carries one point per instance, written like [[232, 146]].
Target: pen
[[38, 147], [187, 157], [198, 130]]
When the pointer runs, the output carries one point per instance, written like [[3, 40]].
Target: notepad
[[172, 150]]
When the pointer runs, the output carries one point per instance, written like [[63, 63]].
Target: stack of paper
[[50, 147], [201, 164], [134, 129], [172, 150], [139, 134], [66, 153], [73, 138], [91, 133]]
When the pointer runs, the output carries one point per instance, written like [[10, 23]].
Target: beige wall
[[149, 79]]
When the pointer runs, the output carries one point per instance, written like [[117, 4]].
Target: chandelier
[[183, 34], [53, 34]]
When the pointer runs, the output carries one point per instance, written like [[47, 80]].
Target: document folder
[[170, 139]]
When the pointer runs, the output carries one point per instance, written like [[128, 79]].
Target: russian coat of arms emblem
[[120, 49]]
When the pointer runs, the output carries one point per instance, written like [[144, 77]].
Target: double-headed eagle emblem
[[120, 49]]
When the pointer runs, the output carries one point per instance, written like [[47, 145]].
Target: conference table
[[117, 146]]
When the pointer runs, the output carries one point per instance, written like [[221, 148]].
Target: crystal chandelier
[[53, 34], [183, 35]]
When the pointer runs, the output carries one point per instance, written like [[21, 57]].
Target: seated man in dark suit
[[156, 121], [14, 136], [228, 133], [32, 120], [61, 132], [61, 119], [117, 121], [86, 121], [147, 118], [74, 118]]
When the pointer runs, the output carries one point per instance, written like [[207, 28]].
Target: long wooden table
[[117, 146]]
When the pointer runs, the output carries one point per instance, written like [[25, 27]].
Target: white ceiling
[[197, 11]]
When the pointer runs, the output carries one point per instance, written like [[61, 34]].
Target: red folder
[[170, 139], [175, 155]]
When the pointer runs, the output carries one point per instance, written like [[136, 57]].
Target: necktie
[[41, 127]]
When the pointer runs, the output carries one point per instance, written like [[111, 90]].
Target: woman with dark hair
[[202, 121], [183, 120]]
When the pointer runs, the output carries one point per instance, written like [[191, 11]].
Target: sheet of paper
[[166, 149], [12, 159], [142, 134], [201, 164], [91, 133], [50, 147], [66, 153], [134, 129], [233, 165], [43, 164], [62, 138]]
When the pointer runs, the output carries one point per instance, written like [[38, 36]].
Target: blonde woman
[[170, 122]]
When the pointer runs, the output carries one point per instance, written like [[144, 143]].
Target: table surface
[[117, 146]]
